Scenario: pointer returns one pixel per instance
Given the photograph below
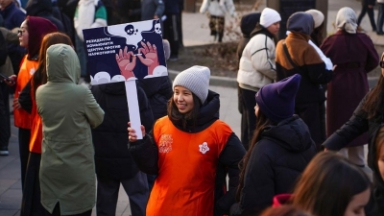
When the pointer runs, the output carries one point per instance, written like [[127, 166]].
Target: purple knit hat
[[277, 100]]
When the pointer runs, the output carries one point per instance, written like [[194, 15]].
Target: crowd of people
[[77, 146]]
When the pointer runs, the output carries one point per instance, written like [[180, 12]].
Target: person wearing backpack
[[295, 55]]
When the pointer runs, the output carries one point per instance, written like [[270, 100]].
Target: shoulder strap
[[289, 56]]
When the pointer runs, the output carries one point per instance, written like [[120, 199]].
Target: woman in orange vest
[[31, 197], [31, 33], [190, 150]]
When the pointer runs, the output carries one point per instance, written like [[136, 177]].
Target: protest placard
[[124, 53]]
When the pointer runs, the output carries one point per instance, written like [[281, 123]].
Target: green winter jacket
[[68, 111]]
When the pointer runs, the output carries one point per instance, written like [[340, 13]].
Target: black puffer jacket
[[275, 163], [44, 8], [112, 158]]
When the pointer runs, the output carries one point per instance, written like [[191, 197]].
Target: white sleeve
[[204, 6], [262, 58]]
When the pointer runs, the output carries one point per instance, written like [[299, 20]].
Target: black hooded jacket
[[145, 153], [247, 25], [276, 162], [44, 8], [112, 158]]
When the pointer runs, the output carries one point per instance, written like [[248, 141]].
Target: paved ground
[[196, 32]]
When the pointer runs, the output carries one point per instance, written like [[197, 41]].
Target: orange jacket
[[187, 169], [27, 69], [36, 139]]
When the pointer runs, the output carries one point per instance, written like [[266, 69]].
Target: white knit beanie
[[268, 17], [317, 15], [196, 79]]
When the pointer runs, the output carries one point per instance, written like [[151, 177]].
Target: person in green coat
[[68, 111]]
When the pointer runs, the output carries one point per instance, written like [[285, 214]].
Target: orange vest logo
[[203, 148], [165, 144]]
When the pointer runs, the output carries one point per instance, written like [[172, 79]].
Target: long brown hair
[[379, 143], [40, 76], [284, 210], [184, 119], [374, 99], [328, 184], [317, 35], [262, 122]]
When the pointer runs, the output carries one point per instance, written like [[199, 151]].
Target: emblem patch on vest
[[165, 144], [203, 148]]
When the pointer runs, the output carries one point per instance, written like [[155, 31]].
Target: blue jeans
[[380, 17]]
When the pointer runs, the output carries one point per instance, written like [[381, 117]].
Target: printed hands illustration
[[125, 63], [151, 59], [127, 60]]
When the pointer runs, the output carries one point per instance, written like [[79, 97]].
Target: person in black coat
[[281, 148], [44, 9], [113, 162]]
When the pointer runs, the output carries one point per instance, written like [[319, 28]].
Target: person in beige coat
[[68, 111]]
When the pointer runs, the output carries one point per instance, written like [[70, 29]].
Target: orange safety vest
[[27, 69], [187, 169], [36, 139]]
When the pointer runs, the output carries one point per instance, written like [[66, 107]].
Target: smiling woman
[[189, 150]]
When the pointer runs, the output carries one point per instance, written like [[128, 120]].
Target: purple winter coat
[[355, 56]]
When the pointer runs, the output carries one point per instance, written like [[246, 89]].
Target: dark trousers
[[5, 120], [24, 136], [108, 192], [311, 114], [56, 212], [171, 33], [370, 12], [248, 118], [380, 17], [31, 202]]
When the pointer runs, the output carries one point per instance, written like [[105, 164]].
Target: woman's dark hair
[[284, 210], [259, 29], [188, 119], [317, 35], [374, 99], [328, 184], [379, 144], [40, 77], [262, 122]]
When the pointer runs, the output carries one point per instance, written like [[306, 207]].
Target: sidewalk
[[196, 30]]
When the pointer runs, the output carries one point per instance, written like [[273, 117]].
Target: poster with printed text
[[125, 52]]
